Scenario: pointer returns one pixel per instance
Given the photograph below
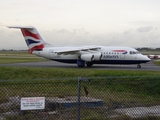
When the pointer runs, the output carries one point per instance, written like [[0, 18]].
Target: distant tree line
[[147, 48], [12, 50]]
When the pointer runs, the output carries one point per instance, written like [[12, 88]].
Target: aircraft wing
[[76, 50]]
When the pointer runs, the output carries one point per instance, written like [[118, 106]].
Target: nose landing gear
[[139, 66]]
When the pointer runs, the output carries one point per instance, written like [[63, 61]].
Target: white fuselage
[[110, 55]]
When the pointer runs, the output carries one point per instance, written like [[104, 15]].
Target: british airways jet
[[84, 55]]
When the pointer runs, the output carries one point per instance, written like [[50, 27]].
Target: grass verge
[[157, 62], [19, 60], [115, 87]]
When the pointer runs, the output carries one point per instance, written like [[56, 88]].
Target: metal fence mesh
[[103, 98]]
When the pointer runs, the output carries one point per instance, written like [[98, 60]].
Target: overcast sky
[[134, 23]]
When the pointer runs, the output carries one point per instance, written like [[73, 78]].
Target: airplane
[[80, 55], [153, 56]]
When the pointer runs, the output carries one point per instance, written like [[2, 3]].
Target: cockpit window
[[138, 52], [134, 52], [130, 52]]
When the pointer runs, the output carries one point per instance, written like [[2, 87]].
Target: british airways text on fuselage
[[110, 56]]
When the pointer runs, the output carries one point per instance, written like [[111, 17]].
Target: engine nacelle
[[87, 57], [97, 56]]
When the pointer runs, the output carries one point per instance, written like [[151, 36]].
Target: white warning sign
[[33, 103]]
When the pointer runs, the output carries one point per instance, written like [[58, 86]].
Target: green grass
[[145, 82], [8, 73], [19, 60], [157, 62], [15, 53], [127, 88], [7, 57]]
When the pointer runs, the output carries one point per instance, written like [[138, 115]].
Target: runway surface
[[52, 64]]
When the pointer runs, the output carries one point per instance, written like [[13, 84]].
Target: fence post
[[79, 94]]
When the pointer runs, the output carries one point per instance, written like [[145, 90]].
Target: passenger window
[[131, 52]]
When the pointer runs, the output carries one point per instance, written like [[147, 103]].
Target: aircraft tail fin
[[32, 37]]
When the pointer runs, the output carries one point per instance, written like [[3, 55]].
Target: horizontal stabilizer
[[21, 27]]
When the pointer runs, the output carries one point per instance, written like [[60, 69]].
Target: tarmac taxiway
[[52, 64]]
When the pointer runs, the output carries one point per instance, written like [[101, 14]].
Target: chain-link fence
[[103, 98]]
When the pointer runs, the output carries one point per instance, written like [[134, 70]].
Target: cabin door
[[122, 55], [51, 53]]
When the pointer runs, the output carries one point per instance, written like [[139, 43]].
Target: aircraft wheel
[[89, 64], [80, 63], [138, 66]]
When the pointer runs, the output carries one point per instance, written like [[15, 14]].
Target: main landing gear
[[82, 63], [138, 66], [89, 64]]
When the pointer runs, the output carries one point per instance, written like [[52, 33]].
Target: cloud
[[145, 36], [142, 36], [11, 39], [67, 37], [1, 24], [145, 29]]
